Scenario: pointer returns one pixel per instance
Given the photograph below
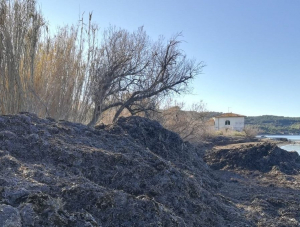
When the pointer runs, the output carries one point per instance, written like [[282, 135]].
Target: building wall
[[236, 123]]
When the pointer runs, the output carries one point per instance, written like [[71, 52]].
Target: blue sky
[[251, 48]]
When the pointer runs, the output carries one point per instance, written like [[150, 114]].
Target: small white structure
[[229, 121]]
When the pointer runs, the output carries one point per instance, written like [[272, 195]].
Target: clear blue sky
[[251, 48]]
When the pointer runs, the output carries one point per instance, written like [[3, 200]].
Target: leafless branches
[[132, 69]]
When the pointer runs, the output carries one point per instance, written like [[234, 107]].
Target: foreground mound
[[133, 173], [262, 156]]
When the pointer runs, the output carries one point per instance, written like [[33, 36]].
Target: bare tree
[[133, 69]]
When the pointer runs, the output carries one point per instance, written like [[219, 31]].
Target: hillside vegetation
[[269, 124]]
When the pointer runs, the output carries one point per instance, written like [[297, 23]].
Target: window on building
[[227, 122]]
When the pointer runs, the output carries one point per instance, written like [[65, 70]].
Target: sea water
[[291, 147], [295, 146]]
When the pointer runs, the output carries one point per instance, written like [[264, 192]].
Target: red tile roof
[[229, 115]]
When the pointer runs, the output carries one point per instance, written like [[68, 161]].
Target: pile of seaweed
[[263, 157], [262, 179], [132, 173]]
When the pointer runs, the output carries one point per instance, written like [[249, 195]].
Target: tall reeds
[[42, 73]]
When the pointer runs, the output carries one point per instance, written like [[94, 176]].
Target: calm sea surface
[[289, 147]]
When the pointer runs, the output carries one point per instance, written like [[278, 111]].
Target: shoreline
[[281, 144], [280, 141]]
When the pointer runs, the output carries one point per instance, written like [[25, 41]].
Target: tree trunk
[[119, 111], [95, 117]]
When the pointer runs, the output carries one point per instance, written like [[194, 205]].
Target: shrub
[[251, 131]]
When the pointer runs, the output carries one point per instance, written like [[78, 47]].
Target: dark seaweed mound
[[263, 157], [132, 173]]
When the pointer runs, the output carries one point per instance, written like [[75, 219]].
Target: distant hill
[[270, 124]]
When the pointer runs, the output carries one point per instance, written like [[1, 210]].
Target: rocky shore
[[136, 173]]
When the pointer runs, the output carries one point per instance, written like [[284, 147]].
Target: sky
[[251, 48]]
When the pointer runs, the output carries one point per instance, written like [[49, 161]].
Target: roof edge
[[229, 115]]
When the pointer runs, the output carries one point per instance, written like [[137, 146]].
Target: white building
[[229, 120]]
